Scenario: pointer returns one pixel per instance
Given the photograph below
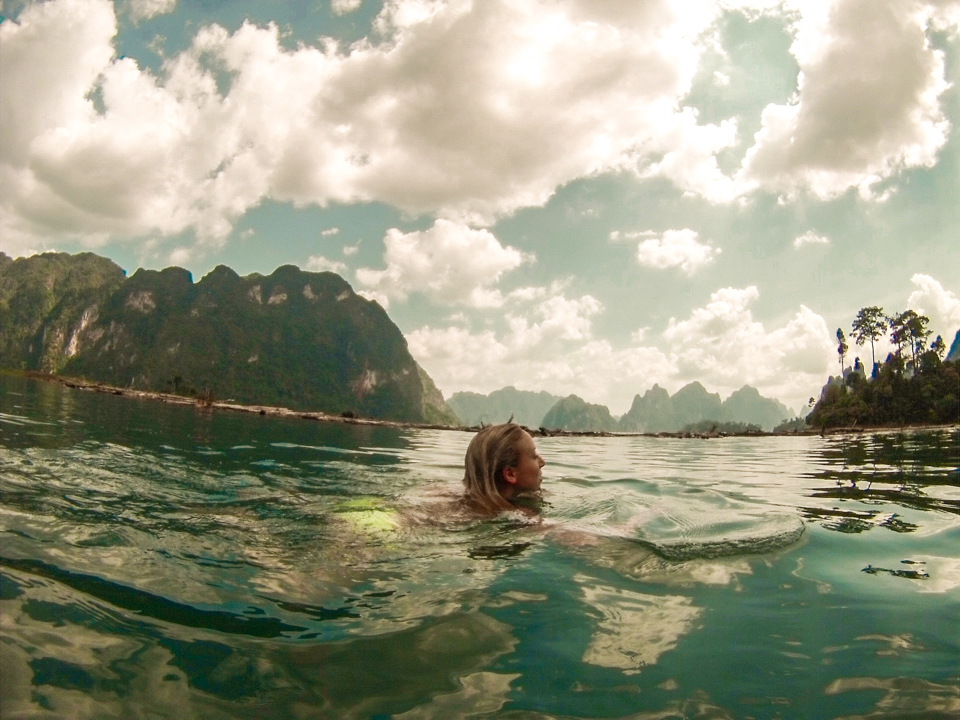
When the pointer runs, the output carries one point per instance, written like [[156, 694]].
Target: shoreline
[[317, 416]]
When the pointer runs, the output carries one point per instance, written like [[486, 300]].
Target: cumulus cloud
[[145, 9], [180, 255], [450, 263], [866, 106], [810, 237], [462, 110], [329, 232], [552, 348], [939, 304], [465, 110], [676, 248], [318, 263], [720, 344], [342, 7]]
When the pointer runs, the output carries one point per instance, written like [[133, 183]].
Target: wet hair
[[490, 452]]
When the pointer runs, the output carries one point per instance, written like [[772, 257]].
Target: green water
[[161, 561]]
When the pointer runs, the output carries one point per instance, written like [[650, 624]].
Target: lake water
[[160, 561]]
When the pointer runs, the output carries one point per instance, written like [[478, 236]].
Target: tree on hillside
[[908, 329], [939, 347], [870, 324], [899, 334], [842, 348], [917, 329]]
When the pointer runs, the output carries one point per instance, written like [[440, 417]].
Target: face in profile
[[527, 474]]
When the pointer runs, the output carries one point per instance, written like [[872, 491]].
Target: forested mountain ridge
[[296, 339], [657, 411], [575, 413], [44, 300]]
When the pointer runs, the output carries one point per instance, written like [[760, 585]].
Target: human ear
[[510, 475]]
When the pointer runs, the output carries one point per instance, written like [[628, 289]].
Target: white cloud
[[349, 250], [940, 305], [318, 263], [463, 110], [676, 248], [449, 263], [690, 159], [467, 110], [810, 237], [867, 103], [550, 349], [553, 349], [329, 232], [145, 9], [723, 346], [180, 255], [342, 7]]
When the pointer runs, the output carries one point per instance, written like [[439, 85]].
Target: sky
[[578, 196]]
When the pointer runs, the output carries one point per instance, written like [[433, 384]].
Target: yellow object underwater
[[368, 514]]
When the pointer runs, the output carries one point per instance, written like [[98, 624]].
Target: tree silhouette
[[918, 332], [899, 333], [842, 348], [908, 329], [938, 347], [870, 324]]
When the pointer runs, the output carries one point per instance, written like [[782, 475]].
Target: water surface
[[160, 561]]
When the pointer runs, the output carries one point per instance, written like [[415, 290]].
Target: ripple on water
[[156, 559]]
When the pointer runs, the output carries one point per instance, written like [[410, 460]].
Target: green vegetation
[[295, 339], [870, 324], [45, 300], [797, 424], [711, 426], [575, 413], [913, 386]]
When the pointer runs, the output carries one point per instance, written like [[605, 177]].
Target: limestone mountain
[[45, 301], [651, 413], [527, 408], [297, 339], [574, 413], [692, 403], [656, 411], [954, 354], [747, 405]]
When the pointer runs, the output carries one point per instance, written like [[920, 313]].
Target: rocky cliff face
[[45, 301], [297, 339], [651, 413], [656, 411], [527, 408], [954, 354]]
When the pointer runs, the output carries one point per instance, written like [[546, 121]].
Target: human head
[[501, 461]]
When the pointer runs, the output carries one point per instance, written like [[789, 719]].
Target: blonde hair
[[491, 450]]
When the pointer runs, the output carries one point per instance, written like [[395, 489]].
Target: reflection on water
[[636, 628], [903, 697], [158, 561]]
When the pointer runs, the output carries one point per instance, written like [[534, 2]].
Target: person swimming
[[501, 466]]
